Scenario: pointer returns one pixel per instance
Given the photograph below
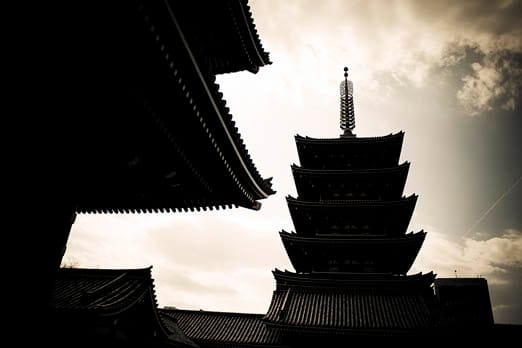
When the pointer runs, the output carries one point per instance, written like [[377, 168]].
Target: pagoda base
[[352, 304]]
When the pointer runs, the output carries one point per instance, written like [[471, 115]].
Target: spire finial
[[347, 110]]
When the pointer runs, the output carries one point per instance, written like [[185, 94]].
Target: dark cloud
[[506, 298], [478, 16]]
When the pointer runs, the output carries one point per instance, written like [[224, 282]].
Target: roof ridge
[[398, 167], [201, 311]]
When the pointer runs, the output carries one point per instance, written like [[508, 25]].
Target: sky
[[447, 73]]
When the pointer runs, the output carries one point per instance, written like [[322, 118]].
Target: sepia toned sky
[[447, 73]]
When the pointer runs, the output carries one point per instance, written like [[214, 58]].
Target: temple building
[[134, 121], [110, 308], [351, 251]]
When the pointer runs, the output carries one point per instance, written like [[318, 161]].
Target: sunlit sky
[[447, 73]]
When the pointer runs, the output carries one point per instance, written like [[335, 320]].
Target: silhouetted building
[[110, 308], [464, 302], [351, 255], [130, 118]]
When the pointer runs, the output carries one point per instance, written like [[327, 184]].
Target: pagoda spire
[[347, 112]]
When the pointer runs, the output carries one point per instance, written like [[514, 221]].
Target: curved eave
[[144, 208], [390, 138], [250, 37], [342, 241], [230, 148], [286, 279], [311, 205], [327, 173], [107, 292]]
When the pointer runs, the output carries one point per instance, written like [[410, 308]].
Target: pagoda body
[[350, 249]]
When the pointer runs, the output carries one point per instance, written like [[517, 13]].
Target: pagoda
[[351, 253], [350, 249]]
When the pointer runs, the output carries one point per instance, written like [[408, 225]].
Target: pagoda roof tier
[[224, 35], [380, 311], [155, 134], [319, 184], [224, 329], [342, 217], [349, 152], [352, 254], [348, 280]]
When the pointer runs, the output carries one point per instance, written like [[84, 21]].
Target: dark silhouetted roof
[[351, 216], [226, 329], [349, 310], [376, 183], [394, 255], [349, 152], [343, 280], [141, 110], [84, 296], [224, 35], [105, 291]]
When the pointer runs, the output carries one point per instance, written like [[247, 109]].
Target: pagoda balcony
[[361, 184], [344, 217], [349, 152], [349, 254]]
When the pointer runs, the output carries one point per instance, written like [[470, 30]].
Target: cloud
[[493, 79], [492, 258], [408, 45], [210, 260]]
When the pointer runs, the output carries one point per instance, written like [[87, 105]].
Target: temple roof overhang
[[357, 254], [155, 134], [223, 34]]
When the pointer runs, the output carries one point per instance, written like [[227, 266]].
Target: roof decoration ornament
[[347, 110]]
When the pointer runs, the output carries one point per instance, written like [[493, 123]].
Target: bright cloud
[[407, 44], [208, 260], [490, 258]]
